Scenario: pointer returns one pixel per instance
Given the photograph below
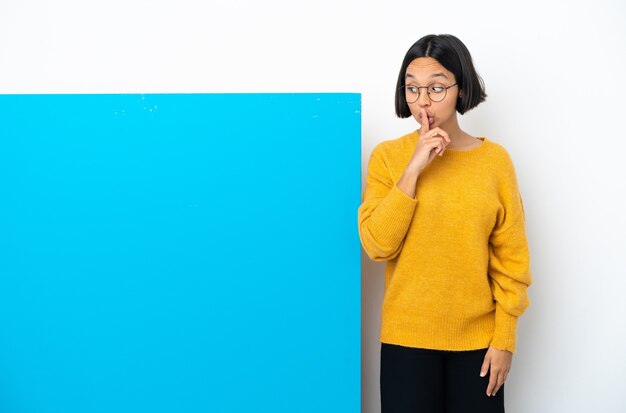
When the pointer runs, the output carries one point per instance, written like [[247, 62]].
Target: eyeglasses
[[436, 92]]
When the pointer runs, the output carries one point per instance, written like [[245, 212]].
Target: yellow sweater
[[458, 263]]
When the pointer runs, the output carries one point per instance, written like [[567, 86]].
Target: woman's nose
[[423, 99]]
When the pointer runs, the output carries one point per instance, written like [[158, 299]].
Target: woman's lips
[[431, 118]]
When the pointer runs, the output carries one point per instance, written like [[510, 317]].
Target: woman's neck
[[458, 138]]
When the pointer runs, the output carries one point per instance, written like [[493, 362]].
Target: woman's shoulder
[[499, 152], [500, 161]]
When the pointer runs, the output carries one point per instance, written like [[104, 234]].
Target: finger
[[485, 367], [441, 142], [432, 153], [500, 383], [439, 131], [441, 137], [493, 381], [434, 143], [424, 121], [503, 377]]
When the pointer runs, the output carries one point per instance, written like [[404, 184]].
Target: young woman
[[443, 209]]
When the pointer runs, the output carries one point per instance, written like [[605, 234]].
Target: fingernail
[[482, 374]]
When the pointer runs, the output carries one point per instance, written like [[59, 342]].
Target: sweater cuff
[[404, 198], [505, 332], [401, 208]]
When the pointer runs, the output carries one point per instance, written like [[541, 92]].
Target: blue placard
[[180, 253]]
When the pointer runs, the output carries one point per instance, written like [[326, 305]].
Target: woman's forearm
[[408, 181]]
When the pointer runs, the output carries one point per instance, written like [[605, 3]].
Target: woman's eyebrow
[[433, 75], [439, 74]]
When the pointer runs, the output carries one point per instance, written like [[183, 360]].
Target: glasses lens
[[437, 92], [412, 93]]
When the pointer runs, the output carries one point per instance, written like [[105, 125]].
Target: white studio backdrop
[[554, 78]]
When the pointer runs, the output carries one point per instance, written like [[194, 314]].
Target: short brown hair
[[452, 54]]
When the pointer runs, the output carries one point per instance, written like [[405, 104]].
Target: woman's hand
[[431, 142], [499, 363]]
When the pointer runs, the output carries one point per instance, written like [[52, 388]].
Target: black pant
[[417, 380]]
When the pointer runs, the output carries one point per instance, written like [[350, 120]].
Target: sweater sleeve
[[509, 262], [385, 213]]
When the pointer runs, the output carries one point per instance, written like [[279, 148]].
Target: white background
[[554, 74]]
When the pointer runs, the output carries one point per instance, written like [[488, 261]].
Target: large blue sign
[[180, 253]]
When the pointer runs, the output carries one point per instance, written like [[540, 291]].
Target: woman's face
[[424, 71]]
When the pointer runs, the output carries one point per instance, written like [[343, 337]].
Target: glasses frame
[[403, 87]]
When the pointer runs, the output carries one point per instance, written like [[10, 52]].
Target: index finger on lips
[[424, 121]]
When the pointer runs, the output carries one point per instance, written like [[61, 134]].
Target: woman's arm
[[509, 262], [386, 212]]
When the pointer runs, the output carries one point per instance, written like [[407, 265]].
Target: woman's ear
[[460, 93]]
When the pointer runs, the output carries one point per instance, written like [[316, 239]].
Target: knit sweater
[[457, 257]]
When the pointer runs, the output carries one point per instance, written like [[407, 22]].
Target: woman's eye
[[436, 89]]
